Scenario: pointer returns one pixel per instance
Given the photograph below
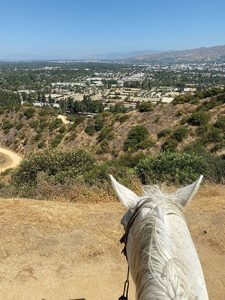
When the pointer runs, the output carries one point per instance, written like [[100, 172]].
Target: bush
[[43, 124], [199, 118], [220, 123], [90, 130], [41, 145], [57, 165], [33, 124], [57, 140], [214, 135], [62, 129], [123, 118], [55, 124], [169, 145], [180, 134], [135, 137], [180, 167], [145, 106], [105, 134], [163, 133], [29, 113], [19, 125], [99, 123], [7, 125]]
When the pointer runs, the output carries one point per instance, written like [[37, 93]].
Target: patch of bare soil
[[8, 159], [61, 251]]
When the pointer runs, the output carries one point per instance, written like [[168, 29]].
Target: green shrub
[[123, 118], [29, 112], [214, 135], [33, 124], [46, 111], [41, 145], [199, 118], [218, 147], [57, 165], [103, 147], [146, 144], [169, 145], [135, 137], [37, 137], [213, 102], [19, 125], [99, 123], [90, 130], [55, 124], [145, 107], [163, 133], [201, 130], [180, 167], [105, 134], [7, 125], [220, 123], [130, 160], [180, 134], [56, 140], [62, 129], [43, 124]]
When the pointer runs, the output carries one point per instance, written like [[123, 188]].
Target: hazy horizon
[[52, 30]]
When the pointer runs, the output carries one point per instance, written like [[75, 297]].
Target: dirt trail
[[64, 119], [12, 160], [61, 251]]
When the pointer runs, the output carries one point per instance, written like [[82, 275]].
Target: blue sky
[[79, 28]]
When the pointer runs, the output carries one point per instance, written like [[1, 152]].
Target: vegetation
[[199, 118], [180, 167], [145, 106], [137, 138]]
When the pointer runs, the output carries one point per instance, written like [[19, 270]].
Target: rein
[[124, 240]]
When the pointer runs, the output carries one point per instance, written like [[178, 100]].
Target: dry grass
[[60, 251]]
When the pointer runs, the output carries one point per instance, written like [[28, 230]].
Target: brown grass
[[59, 250]]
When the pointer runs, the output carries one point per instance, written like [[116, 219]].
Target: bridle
[[124, 240]]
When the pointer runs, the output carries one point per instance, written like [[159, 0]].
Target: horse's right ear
[[185, 194], [128, 198]]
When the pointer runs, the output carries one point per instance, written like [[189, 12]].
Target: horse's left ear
[[128, 198], [185, 194]]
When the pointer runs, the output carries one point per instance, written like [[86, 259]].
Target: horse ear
[[185, 194], [128, 198]]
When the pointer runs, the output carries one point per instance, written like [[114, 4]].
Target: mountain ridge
[[197, 54]]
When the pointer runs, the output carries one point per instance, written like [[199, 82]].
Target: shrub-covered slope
[[166, 127]]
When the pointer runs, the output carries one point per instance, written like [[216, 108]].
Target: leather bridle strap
[[136, 212]]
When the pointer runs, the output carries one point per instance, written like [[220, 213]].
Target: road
[[12, 160]]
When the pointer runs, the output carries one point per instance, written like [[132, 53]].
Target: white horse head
[[161, 255]]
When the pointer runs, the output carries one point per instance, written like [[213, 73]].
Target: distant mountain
[[203, 54], [119, 56]]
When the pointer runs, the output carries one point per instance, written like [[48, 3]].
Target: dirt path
[[61, 251], [64, 119], [12, 160]]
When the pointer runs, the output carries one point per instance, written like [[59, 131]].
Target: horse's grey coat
[[162, 258]]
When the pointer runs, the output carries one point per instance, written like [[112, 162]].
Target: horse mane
[[153, 259]]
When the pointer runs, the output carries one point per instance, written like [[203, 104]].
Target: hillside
[[58, 251], [210, 54], [26, 130]]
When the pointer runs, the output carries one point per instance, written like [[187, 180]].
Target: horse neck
[[156, 270]]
